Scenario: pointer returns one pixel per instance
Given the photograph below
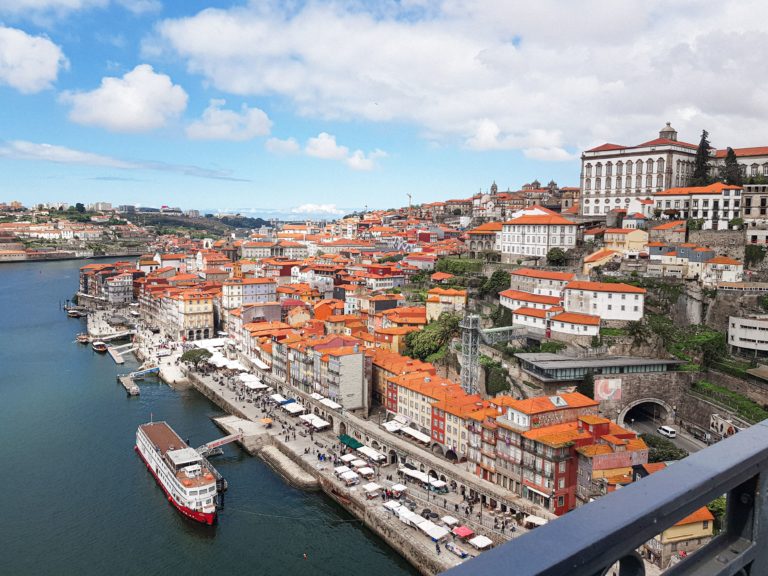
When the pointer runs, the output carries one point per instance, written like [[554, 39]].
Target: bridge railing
[[591, 539]]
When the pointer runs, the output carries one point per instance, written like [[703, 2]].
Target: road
[[683, 440]]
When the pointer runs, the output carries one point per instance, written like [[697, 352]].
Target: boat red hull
[[202, 517]]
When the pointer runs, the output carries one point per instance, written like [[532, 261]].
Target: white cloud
[[36, 9], [220, 124], [28, 63], [317, 209], [141, 6], [591, 75], [278, 146], [140, 101], [41, 152], [324, 146]]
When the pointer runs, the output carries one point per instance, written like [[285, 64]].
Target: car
[[667, 431]]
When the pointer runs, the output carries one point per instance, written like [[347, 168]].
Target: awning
[[316, 396], [348, 458], [437, 483], [371, 453], [481, 542], [277, 398], [398, 487], [359, 463], [371, 487], [449, 520], [365, 471], [349, 441], [415, 474], [433, 530], [260, 364], [416, 435], [349, 475], [539, 492], [392, 426], [341, 469], [463, 531], [293, 407], [392, 505], [315, 421], [535, 520], [330, 404]]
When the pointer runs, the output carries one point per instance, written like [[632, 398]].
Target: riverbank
[[63, 258]]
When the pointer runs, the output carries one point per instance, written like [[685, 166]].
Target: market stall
[[372, 490], [481, 542], [349, 478], [463, 532]]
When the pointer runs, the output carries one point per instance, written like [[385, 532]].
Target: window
[[560, 502], [705, 524], [588, 170]]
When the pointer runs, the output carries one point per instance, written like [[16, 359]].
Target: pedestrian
[[445, 502], [437, 547]]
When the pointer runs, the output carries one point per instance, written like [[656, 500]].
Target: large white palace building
[[612, 175]]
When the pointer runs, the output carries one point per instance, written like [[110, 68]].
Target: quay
[[130, 386]]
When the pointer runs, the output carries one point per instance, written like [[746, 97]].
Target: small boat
[[82, 338], [99, 347], [451, 547], [73, 313]]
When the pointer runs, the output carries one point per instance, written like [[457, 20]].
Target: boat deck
[[164, 437]]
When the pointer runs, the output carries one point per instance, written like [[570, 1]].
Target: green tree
[[638, 331], [662, 450], [732, 171], [695, 223], [736, 223], [753, 254], [498, 282], [556, 257], [393, 258], [701, 162], [80, 207], [432, 337], [717, 507], [501, 316], [587, 385]]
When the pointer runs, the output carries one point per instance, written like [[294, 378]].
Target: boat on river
[[82, 338], [186, 477], [99, 346]]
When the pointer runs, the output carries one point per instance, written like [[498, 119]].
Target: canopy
[[371, 487], [416, 435], [437, 483], [536, 520], [341, 469], [315, 421], [463, 531], [392, 505], [366, 471], [316, 396], [293, 407], [330, 403], [374, 455], [348, 458], [246, 377], [266, 420], [359, 463], [255, 385], [415, 474], [433, 530], [260, 364], [277, 398], [392, 426], [481, 542], [349, 441], [409, 517], [349, 475], [398, 488], [449, 520]]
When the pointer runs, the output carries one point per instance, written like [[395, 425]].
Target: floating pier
[[130, 386]]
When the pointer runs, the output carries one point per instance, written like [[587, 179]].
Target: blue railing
[[590, 540]]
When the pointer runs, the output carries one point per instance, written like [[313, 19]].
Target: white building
[[534, 231], [612, 174], [716, 204], [749, 334], [514, 299], [609, 301], [239, 292], [541, 282], [575, 324]]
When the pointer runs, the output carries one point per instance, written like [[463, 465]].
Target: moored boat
[[99, 346], [188, 479], [82, 338]]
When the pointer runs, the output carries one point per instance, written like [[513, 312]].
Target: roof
[[622, 230], [543, 274], [528, 297], [723, 260], [714, 188], [604, 287], [534, 312], [541, 404], [701, 515], [672, 224], [607, 146], [540, 219], [754, 151], [487, 228], [576, 318], [599, 255]]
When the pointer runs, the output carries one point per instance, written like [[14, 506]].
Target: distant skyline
[[321, 108]]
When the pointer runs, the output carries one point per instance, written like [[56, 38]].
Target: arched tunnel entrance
[[646, 415]]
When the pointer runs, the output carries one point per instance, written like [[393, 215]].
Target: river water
[[78, 500]]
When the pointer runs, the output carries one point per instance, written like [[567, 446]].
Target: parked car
[[667, 431]]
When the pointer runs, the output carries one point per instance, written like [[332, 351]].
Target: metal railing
[[591, 539]]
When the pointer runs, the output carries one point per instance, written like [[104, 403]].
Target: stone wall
[[752, 388], [724, 242], [666, 386]]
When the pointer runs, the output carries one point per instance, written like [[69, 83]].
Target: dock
[[116, 352], [130, 386]]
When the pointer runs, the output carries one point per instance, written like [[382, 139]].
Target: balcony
[[624, 520]]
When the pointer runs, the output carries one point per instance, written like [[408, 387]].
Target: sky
[[320, 108]]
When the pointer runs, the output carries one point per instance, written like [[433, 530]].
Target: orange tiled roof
[[715, 188], [528, 297], [543, 274], [576, 318], [599, 255], [604, 287]]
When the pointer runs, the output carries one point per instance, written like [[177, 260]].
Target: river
[[78, 500]]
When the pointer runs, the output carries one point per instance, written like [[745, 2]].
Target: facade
[[628, 241], [609, 301], [748, 335], [612, 175], [238, 292], [119, 289], [716, 205], [533, 232], [441, 300], [541, 282]]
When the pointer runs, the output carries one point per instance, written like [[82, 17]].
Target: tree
[[432, 337], [736, 223], [498, 282], [587, 385], [701, 162], [638, 331], [718, 507], [80, 207], [556, 257], [753, 254], [732, 171], [662, 450]]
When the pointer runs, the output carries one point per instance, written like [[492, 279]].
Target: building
[[441, 300], [716, 204], [608, 300], [238, 292], [533, 232], [484, 239], [612, 175], [628, 241], [748, 335], [541, 282]]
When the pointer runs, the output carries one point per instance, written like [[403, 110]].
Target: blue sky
[[323, 107]]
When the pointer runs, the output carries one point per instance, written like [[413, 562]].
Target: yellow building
[[625, 240], [599, 258], [191, 316], [685, 537], [441, 300]]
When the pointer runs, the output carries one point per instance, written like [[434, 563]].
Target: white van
[[667, 431]]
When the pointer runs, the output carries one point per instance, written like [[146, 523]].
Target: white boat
[[187, 479]]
